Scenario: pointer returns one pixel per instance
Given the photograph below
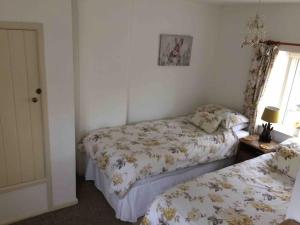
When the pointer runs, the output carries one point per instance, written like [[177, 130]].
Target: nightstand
[[249, 148]]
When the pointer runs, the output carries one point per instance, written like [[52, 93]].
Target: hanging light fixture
[[255, 30]]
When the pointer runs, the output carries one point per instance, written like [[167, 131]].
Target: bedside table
[[249, 148]]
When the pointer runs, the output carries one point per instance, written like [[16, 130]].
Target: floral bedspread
[[249, 193], [133, 152]]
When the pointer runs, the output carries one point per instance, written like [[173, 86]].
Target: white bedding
[[131, 153], [249, 193], [135, 203]]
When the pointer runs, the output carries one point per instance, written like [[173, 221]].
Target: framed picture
[[175, 50]]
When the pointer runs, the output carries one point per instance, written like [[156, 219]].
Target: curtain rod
[[270, 42]]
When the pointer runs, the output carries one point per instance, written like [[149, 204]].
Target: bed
[[132, 164], [249, 193]]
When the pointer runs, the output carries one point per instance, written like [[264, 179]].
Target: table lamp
[[270, 115]]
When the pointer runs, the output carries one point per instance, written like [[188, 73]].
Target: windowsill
[[290, 131], [285, 131], [278, 134]]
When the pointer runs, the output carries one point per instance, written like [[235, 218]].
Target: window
[[283, 91]]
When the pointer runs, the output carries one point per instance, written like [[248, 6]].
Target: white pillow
[[287, 161], [239, 127], [208, 122]]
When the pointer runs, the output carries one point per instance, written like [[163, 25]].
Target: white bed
[[135, 202], [249, 193]]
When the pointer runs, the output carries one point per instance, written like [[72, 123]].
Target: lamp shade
[[271, 114]]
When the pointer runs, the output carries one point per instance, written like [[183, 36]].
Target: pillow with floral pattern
[[287, 161], [208, 122], [210, 108], [232, 119], [293, 143], [229, 117]]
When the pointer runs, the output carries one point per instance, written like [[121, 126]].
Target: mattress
[[128, 154], [250, 193]]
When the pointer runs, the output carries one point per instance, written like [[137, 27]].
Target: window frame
[[286, 91]]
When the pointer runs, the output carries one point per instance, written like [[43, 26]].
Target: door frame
[[38, 28]]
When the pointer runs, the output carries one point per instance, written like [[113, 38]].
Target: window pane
[[275, 85], [283, 91], [292, 113]]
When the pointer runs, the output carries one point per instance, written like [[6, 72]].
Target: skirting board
[[42, 212]]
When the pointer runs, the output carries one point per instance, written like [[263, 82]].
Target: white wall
[[103, 53], [120, 80], [56, 17], [233, 62], [157, 91]]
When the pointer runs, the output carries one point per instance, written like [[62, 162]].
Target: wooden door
[[21, 129]]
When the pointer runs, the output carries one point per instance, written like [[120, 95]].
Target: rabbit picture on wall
[[175, 50]]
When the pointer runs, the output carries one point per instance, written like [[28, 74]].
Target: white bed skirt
[[138, 199]]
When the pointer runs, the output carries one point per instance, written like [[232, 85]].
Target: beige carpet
[[92, 209]]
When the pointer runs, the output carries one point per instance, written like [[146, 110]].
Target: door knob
[[34, 100], [38, 91]]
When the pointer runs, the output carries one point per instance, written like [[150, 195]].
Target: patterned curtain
[[261, 66]]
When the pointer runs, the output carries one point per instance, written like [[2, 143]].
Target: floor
[[92, 209]]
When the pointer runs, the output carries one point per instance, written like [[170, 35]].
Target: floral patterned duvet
[[250, 193], [129, 153]]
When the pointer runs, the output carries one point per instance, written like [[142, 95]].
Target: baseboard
[[38, 213], [68, 204]]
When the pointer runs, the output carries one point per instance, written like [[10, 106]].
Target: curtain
[[261, 65]]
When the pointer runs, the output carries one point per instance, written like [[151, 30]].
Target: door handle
[[34, 100], [38, 91]]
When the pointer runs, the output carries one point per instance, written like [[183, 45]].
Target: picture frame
[[175, 50]]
